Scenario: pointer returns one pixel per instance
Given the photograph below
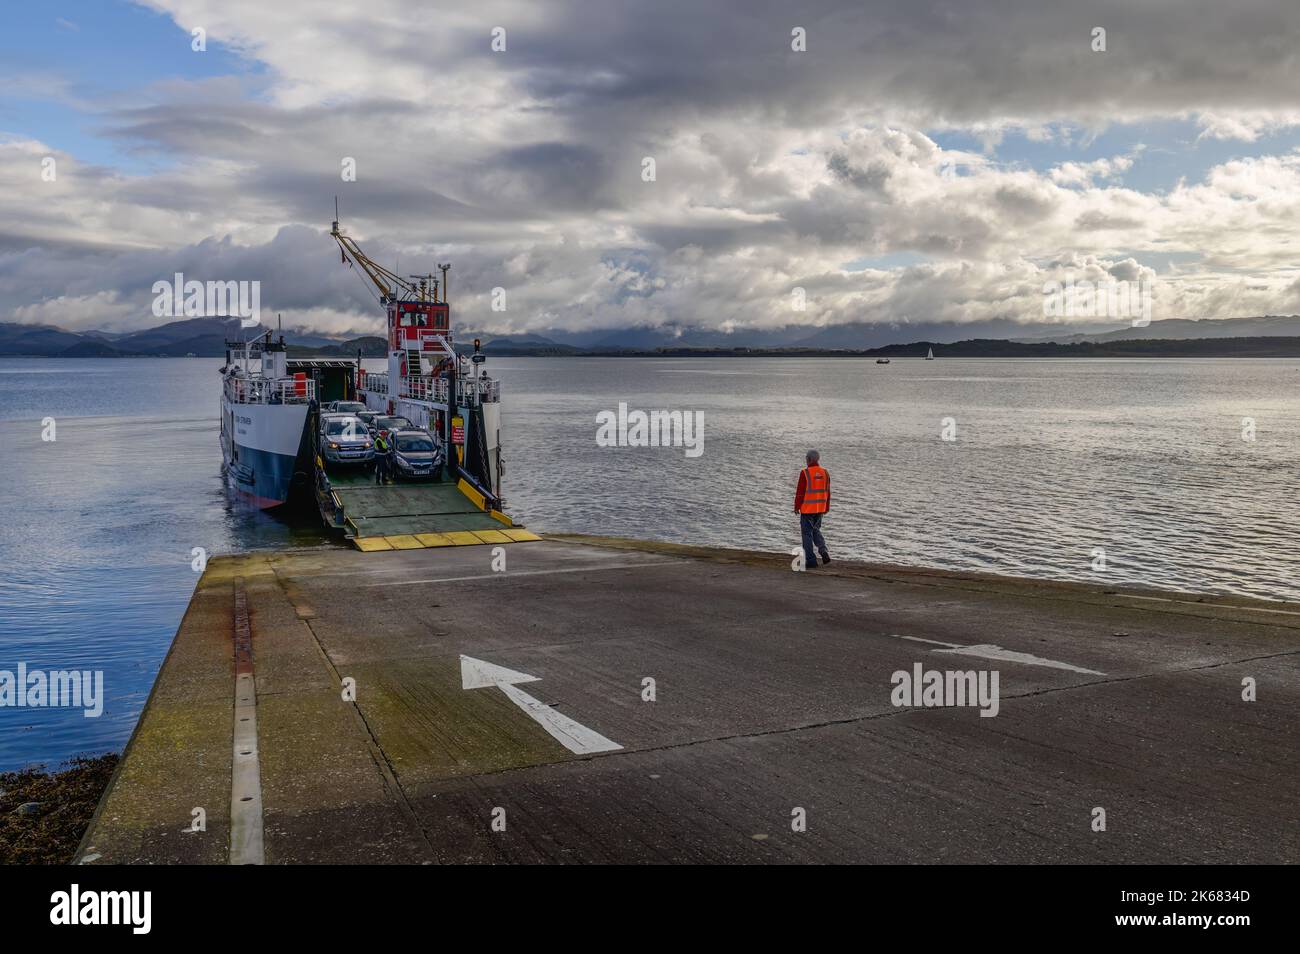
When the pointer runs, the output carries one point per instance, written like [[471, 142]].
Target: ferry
[[271, 408]]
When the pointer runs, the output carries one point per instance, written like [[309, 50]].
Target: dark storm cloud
[[554, 174], [966, 61]]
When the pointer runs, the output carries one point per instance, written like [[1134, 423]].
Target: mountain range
[[867, 337], [199, 337], [206, 337]]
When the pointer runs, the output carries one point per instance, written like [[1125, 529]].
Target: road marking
[[577, 738], [245, 775], [989, 651], [495, 576]]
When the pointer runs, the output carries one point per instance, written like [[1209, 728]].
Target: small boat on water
[[929, 355]]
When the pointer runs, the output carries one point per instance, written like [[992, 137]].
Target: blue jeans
[[810, 528]]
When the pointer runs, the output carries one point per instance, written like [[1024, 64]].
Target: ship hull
[[261, 445]]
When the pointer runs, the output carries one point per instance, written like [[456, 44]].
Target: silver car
[[345, 407], [345, 440]]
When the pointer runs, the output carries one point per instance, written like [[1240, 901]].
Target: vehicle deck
[[410, 515]]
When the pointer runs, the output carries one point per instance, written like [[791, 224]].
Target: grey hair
[[812, 457]]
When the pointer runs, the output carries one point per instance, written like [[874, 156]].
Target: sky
[[916, 162]]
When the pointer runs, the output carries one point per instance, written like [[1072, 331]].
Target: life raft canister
[[816, 490]]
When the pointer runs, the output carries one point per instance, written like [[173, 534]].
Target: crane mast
[[391, 285]]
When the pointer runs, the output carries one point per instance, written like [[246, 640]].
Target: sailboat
[[929, 355]]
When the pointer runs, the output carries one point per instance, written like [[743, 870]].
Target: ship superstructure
[[425, 380]]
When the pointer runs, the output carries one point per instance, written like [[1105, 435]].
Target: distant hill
[[1256, 347], [518, 345], [1286, 326], [202, 337], [370, 346], [206, 337], [1259, 347], [18, 339], [163, 339], [90, 348], [861, 335]]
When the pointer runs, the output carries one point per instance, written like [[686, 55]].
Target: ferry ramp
[[598, 700], [416, 515]]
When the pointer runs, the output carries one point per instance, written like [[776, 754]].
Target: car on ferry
[[416, 453], [327, 416], [383, 424], [345, 440], [344, 407]]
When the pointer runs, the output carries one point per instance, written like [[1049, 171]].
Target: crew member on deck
[[812, 499], [382, 462]]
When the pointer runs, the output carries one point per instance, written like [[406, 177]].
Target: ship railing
[[489, 391], [377, 382], [425, 387], [435, 388], [254, 390]]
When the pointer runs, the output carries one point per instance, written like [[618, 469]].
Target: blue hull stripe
[[262, 475]]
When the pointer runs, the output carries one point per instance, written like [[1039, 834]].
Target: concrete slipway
[[772, 693]]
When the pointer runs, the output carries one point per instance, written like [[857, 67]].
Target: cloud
[[1084, 173], [773, 168]]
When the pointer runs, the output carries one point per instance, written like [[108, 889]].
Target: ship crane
[[391, 285]]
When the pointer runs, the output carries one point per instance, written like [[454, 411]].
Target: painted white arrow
[[477, 674], [990, 651]]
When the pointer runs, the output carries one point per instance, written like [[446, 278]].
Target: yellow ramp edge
[[462, 538], [498, 515], [452, 538], [475, 497]]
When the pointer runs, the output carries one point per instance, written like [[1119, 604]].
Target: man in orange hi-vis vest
[[812, 499]]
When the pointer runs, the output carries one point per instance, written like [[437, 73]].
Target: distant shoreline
[[1252, 347], [1257, 347]]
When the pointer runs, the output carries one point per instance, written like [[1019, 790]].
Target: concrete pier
[[422, 706]]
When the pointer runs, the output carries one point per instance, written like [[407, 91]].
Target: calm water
[[1052, 459]]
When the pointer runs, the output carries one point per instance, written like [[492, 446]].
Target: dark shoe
[[826, 558]]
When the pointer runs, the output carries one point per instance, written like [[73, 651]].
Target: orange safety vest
[[816, 490]]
